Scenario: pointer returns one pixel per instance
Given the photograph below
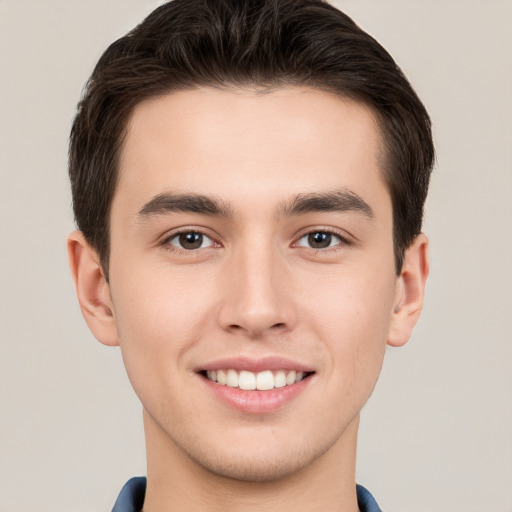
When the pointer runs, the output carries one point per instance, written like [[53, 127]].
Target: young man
[[248, 180]]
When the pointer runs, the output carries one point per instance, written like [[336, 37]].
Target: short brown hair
[[264, 43]]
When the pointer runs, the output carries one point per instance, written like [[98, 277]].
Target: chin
[[254, 469], [252, 464]]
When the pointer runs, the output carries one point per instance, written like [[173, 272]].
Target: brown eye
[[191, 240], [319, 240]]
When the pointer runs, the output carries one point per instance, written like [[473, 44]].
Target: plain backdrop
[[436, 436]]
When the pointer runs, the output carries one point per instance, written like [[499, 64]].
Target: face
[[251, 247]]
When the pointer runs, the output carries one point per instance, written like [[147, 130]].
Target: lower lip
[[257, 402]]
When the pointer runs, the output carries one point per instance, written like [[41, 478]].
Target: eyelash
[[166, 243], [342, 240]]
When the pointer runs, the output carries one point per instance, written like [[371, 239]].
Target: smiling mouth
[[251, 381]]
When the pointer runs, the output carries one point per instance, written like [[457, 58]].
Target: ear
[[92, 289], [410, 290]]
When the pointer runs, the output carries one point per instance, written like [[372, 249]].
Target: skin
[[255, 287]]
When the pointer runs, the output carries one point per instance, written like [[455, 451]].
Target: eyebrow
[[185, 203], [333, 201]]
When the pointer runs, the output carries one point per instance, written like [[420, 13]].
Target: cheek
[[351, 317], [162, 303], [159, 319]]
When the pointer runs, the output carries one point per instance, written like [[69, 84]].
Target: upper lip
[[255, 365]]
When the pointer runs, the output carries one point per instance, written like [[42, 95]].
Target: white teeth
[[265, 380], [232, 379], [280, 379], [221, 377], [247, 380], [290, 377], [250, 381], [212, 375]]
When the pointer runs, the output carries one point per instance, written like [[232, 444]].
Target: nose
[[257, 296]]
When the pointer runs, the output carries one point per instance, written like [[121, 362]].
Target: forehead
[[245, 145]]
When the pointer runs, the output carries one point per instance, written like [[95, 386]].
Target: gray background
[[437, 433]]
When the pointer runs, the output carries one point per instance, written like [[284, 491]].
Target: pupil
[[319, 240], [191, 240]]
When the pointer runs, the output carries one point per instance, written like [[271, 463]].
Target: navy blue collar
[[131, 497]]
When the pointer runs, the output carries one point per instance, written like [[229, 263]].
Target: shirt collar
[[131, 497]]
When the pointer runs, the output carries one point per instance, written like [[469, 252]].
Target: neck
[[176, 482]]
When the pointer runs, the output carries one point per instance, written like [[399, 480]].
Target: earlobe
[[409, 292], [92, 289]]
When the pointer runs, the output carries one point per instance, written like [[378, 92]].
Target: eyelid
[[170, 235], [345, 238]]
